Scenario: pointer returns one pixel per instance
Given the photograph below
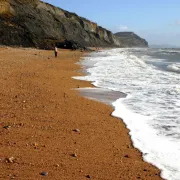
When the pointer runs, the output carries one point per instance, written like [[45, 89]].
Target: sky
[[158, 21]]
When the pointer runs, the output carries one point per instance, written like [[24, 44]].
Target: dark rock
[[44, 173], [69, 44], [88, 176], [126, 156]]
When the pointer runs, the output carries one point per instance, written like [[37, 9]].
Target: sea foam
[[151, 110]]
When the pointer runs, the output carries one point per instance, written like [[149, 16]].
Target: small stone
[[2, 159], [10, 160], [145, 170], [6, 127], [88, 176], [57, 165], [126, 156], [1, 123], [76, 130], [35, 144], [74, 155], [44, 173]]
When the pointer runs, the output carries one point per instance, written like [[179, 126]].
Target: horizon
[[157, 22]]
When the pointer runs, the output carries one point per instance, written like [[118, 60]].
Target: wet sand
[[47, 126], [103, 95]]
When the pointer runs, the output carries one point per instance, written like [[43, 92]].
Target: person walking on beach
[[55, 51]]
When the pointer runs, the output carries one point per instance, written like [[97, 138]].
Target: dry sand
[[38, 113]]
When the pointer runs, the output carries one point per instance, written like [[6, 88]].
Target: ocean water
[[151, 109]]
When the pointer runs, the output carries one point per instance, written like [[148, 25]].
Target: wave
[[169, 51], [151, 110], [174, 67]]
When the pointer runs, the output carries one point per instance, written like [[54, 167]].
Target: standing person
[[55, 51]]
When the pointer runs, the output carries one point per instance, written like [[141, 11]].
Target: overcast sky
[[158, 21]]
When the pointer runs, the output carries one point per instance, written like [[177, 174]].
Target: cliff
[[32, 23], [130, 39]]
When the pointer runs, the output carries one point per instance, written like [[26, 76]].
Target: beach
[[48, 130]]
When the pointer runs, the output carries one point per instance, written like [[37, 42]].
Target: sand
[[47, 126]]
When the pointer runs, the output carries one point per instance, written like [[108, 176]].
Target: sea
[[150, 80]]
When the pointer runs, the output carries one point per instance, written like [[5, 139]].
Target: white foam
[[149, 142], [174, 68], [152, 109]]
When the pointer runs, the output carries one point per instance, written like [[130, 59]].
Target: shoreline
[[41, 116]]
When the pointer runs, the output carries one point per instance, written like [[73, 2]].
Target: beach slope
[[46, 126]]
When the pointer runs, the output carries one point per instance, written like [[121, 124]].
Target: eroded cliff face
[[4, 7], [32, 23]]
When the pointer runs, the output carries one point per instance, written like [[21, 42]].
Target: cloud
[[119, 28], [122, 28], [177, 22]]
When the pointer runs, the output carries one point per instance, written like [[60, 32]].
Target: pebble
[[44, 173], [1, 123], [21, 124], [76, 130], [88, 176], [10, 160], [35, 144], [74, 155], [127, 156], [6, 127]]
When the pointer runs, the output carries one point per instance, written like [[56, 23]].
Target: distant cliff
[[32, 23], [130, 39]]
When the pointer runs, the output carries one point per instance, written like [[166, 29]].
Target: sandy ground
[[45, 126]]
